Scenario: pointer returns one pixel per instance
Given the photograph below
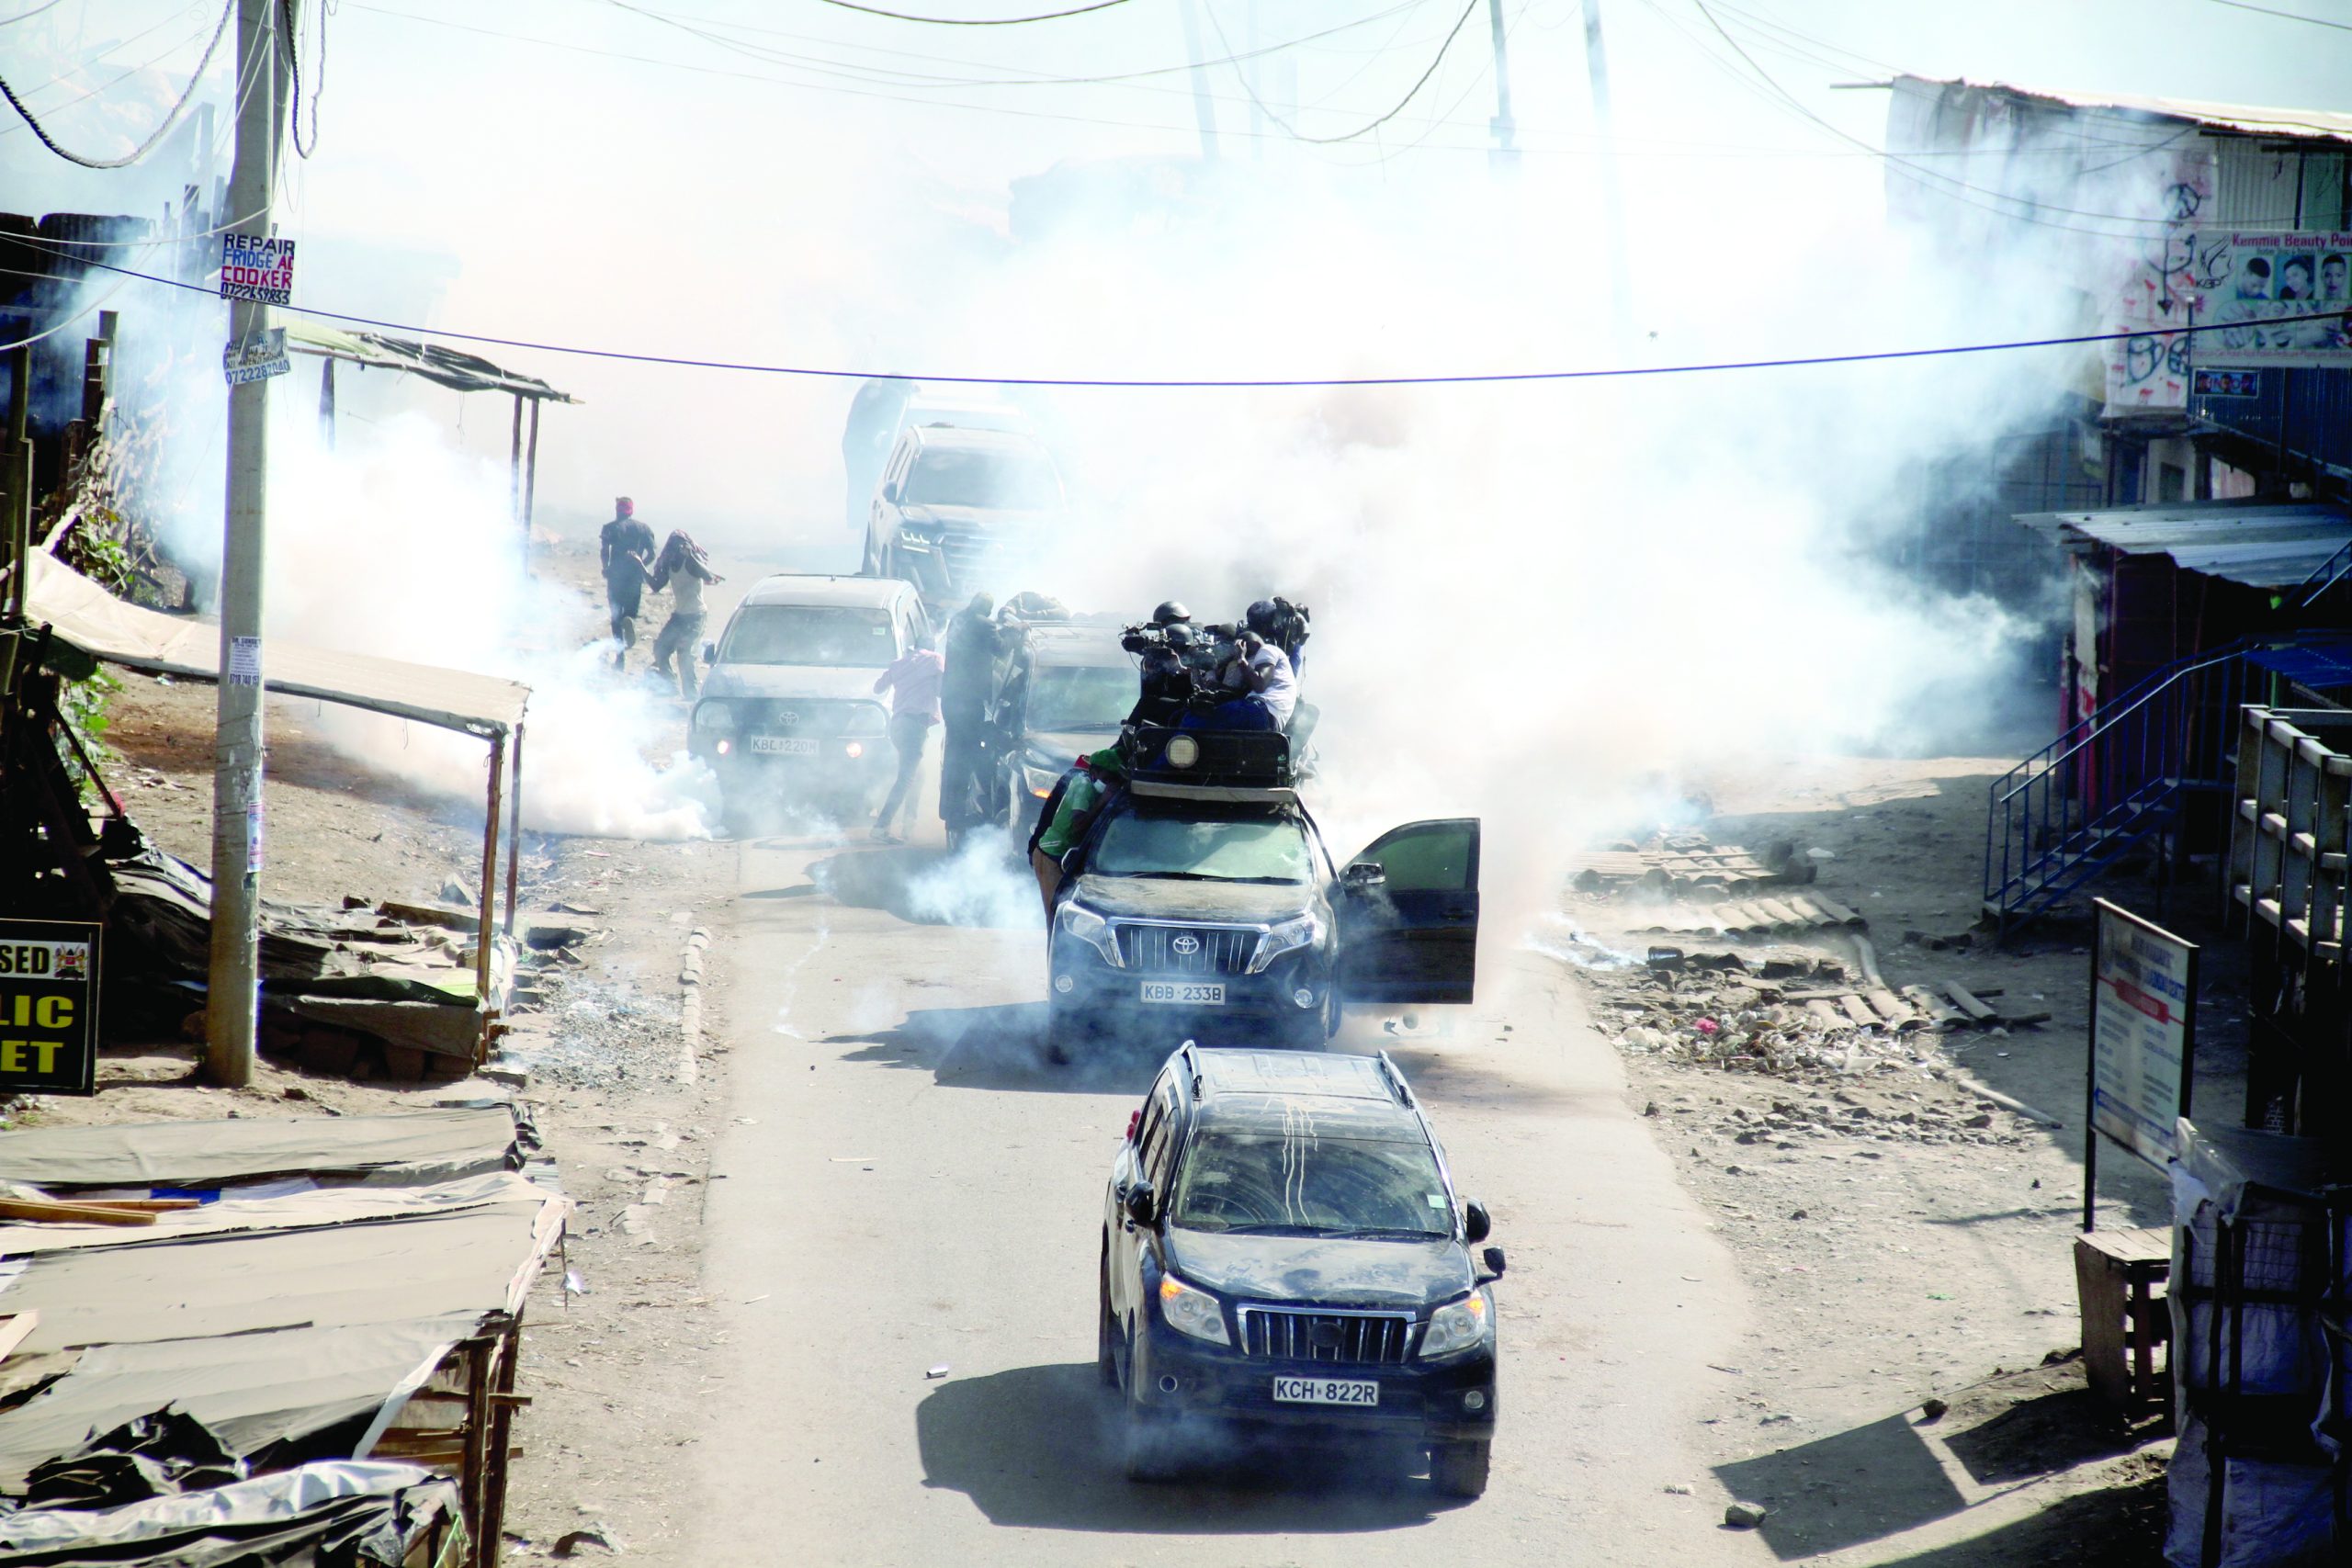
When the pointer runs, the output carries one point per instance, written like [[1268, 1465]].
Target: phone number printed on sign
[[48, 1006], [253, 267]]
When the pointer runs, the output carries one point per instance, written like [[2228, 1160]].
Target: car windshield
[[1080, 696], [1294, 1182], [1014, 480], [1258, 849], [840, 636]]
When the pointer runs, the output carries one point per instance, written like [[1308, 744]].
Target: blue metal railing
[[2073, 808]]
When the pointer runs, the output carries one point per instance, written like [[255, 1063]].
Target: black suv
[[1283, 1250], [1197, 905]]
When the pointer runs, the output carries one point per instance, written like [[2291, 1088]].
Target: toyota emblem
[[1188, 944], [790, 720]]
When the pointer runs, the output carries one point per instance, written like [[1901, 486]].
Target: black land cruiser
[[1283, 1251], [1203, 900]]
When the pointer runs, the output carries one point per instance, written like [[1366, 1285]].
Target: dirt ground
[[1906, 1236]]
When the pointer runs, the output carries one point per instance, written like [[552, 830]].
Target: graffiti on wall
[[2166, 276]]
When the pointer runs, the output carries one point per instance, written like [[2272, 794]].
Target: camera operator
[[1263, 687]]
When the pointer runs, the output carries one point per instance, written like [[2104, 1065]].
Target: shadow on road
[[1003, 1047], [1038, 1447], [1845, 1489]]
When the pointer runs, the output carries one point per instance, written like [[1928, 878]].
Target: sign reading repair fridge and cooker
[[254, 267], [2144, 1039], [48, 1007]]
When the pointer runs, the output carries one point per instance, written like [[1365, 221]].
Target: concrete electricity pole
[[1613, 189], [233, 988], [1505, 155]]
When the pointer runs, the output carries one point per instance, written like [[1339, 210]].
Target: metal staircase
[[2106, 787]]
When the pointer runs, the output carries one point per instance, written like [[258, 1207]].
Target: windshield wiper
[[1370, 1232]]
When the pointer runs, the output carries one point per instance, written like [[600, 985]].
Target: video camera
[[1195, 648]]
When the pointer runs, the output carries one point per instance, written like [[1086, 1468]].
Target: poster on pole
[[2144, 1032], [254, 267], [48, 1007]]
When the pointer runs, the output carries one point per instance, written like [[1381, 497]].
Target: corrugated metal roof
[[2254, 121], [2260, 544]]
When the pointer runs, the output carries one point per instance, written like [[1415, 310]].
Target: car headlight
[[1299, 930], [1039, 781], [1458, 1326], [1079, 923], [717, 717], [1192, 1312], [916, 539]]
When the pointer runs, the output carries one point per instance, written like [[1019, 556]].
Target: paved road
[[906, 1186]]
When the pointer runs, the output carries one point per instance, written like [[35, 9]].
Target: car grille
[[1163, 950], [784, 715], [1345, 1339], [967, 548]]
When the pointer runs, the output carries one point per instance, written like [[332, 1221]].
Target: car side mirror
[[1493, 1258], [1364, 876], [1476, 1224], [1142, 1202], [709, 652]]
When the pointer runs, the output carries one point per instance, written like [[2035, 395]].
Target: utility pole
[[1613, 189], [233, 986], [1204, 110], [1505, 155]]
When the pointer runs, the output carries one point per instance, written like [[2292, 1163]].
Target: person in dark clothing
[[972, 642], [684, 571], [624, 550]]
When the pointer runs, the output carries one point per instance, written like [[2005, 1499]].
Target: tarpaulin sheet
[[250, 1389], [343, 1510], [424, 1146], [87, 616], [281, 1211], [451, 367]]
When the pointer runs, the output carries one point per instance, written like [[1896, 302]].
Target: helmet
[[1264, 617], [1170, 613]]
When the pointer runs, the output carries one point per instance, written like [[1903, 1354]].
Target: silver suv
[[951, 498]]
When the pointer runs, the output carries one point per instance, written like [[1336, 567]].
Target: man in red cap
[[625, 550]]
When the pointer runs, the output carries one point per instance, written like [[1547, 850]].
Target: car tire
[[1106, 1334], [1146, 1438], [1064, 1032], [1459, 1470]]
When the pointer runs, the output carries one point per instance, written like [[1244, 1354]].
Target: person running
[[912, 680], [624, 550], [684, 569], [971, 651]]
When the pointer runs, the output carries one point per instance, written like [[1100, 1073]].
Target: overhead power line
[[2286, 16], [28, 16], [1370, 125], [1224, 383], [161, 131], [976, 21]]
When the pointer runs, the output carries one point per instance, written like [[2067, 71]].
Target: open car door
[[1407, 911]]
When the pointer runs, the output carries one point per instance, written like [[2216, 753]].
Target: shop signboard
[[48, 1007], [2143, 1043]]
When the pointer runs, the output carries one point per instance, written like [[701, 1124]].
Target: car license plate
[[1326, 1391], [784, 745], [1184, 993]]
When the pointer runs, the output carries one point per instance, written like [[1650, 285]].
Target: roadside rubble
[[302, 1291]]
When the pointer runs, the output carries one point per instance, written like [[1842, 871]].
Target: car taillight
[[1135, 1118]]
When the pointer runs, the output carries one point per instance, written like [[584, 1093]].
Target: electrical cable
[[1237, 383], [111, 82], [976, 21], [28, 16], [294, 69], [2286, 15], [1410, 92], [161, 131]]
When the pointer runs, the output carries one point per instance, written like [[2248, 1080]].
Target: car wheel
[[1063, 1031], [1106, 1335], [1149, 1437], [1459, 1470]]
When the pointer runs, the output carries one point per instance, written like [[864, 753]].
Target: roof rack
[[1234, 766], [1397, 1081]]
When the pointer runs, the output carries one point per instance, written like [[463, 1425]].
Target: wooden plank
[[14, 1329], [1977, 1011], [78, 1214], [1858, 1011], [1938, 1012], [141, 1205]]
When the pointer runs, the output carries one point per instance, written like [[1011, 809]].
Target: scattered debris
[[1744, 1515]]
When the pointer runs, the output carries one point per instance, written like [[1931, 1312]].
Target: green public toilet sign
[[48, 1007]]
